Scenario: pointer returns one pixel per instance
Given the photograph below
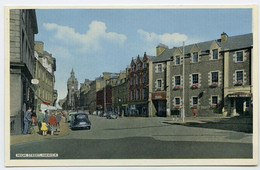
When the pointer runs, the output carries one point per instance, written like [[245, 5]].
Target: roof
[[232, 43]]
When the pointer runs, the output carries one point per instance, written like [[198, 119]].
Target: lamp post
[[183, 94]]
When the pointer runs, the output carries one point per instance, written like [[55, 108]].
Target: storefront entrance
[[240, 104], [159, 101]]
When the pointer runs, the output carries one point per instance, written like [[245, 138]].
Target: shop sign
[[159, 96]]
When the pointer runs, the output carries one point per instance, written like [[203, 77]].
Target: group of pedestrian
[[47, 122]]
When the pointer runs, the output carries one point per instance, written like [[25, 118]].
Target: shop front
[[240, 103], [159, 102]]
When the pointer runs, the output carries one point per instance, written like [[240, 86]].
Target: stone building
[[217, 78], [120, 94], [45, 66], [72, 95], [23, 27], [138, 83], [84, 89]]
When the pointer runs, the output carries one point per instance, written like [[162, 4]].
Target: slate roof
[[232, 43]]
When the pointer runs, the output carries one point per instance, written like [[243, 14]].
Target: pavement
[[19, 139]]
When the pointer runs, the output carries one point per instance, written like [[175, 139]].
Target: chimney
[[38, 46], [160, 48], [224, 37]]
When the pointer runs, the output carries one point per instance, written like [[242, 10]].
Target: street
[[142, 138]]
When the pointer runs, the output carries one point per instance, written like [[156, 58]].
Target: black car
[[80, 121]]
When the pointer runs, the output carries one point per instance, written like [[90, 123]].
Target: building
[[104, 95], [216, 78], [45, 66], [23, 27], [84, 89], [120, 94], [138, 83], [72, 95]]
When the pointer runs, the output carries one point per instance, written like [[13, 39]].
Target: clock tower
[[72, 87]]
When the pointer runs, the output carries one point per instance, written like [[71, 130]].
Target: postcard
[[131, 85]]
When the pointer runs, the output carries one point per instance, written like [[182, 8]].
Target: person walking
[[26, 120], [53, 123], [58, 117], [46, 117], [40, 120]]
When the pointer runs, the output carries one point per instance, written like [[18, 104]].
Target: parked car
[[80, 121], [111, 115]]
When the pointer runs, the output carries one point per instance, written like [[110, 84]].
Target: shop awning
[[47, 107], [240, 94]]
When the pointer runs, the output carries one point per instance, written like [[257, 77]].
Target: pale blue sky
[[93, 41]]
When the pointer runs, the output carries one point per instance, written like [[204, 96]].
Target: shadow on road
[[238, 124], [142, 127]]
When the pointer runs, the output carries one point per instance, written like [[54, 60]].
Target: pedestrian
[[26, 120], [46, 118], [40, 120], [52, 123], [44, 129], [58, 117], [34, 119]]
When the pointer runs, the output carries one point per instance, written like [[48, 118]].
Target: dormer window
[[144, 65], [177, 60], [215, 54], [195, 57]]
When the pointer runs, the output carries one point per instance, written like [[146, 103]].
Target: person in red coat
[[52, 123]]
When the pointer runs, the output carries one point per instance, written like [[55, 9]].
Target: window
[[132, 95], [132, 69], [195, 57], [159, 68], [239, 56], [144, 65], [138, 66], [144, 93], [177, 61], [131, 81], [214, 100], [195, 100], [144, 78], [138, 94], [177, 101], [215, 54], [239, 76], [214, 77], [177, 80], [159, 83], [137, 80], [195, 78]]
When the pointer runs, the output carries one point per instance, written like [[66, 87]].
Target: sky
[[92, 41]]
